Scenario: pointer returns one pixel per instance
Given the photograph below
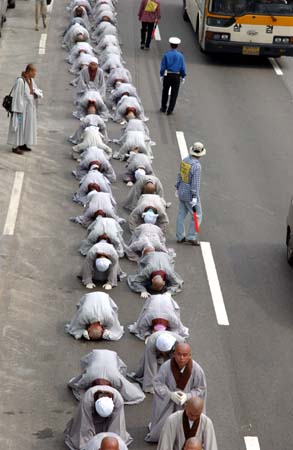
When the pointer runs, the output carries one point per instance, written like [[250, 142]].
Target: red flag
[[196, 226]]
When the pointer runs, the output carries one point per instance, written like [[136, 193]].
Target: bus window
[[228, 7]]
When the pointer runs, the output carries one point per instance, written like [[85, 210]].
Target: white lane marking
[[182, 144], [215, 288], [276, 66], [13, 205], [42, 45], [157, 33], [251, 443]]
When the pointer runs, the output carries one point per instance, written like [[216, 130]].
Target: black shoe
[[162, 110], [17, 150], [141, 46], [25, 148], [169, 113], [193, 242], [180, 241]]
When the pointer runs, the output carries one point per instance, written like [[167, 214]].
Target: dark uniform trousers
[[146, 33], [171, 80]]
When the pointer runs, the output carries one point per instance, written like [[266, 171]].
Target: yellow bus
[[247, 27]]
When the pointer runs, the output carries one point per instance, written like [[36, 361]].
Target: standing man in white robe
[[178, 380], [104, 367], [22, 132], [100, 410], [182, 426], [96, 308]]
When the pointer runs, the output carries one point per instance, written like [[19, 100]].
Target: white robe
[[87, 121], [96, 307], [107, 365], [104, 225], [120, 74], [164, 383], [24, 131], [95, 442], [159, 306], [86, 423], [172, 435], [95, 154], [92, 138], [93, 176], [151, 360], [134, 139], [102, 201]]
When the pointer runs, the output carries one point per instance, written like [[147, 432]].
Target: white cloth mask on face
[[104, 406], [102, 264], [150, 217], [165, 342], [139, 173]]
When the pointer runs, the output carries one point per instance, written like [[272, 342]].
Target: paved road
[[242, 111]]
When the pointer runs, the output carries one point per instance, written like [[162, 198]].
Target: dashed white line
[[251, 443], [215, 288], [182, 144], [276, 66], [42, 45], [13, 205], [157, 33]]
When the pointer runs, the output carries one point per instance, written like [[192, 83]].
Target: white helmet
[[104, 406]]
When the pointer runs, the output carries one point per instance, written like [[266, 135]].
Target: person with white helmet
[[172, 71], [187, 191], [101, 409], [159, 348]]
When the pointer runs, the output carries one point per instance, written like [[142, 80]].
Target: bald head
[[149, 188], [193, 408], [158, 283], [109, 443], [192, 444], [182, 354], [95, 331]]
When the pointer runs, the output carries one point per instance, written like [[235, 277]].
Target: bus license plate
[[246, 50]]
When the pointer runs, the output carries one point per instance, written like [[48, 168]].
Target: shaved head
[[149, 188], [158, 283], [109, 443], [192, 444], [95, 331], [182, 354], [193, 408]]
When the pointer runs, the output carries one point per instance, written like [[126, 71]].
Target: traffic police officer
[[172, 71]]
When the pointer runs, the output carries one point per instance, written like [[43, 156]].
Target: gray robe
[[145, 235], [75, 51], [137, 190], [93, 176], [151, 361], [85, 84], [91, 96], [87, 121], [172, 434], [119, 91], [90, 274], [105, 364], [87, 423], [25, 131], [101, 200], [152, 262], [95, 442], [95, 154], [120, 74], [149, 200], [69, 39], [91, 137], [159, 306], [136, 161], [133, 125], [164, 383], [128, 102], [99, 227], [96, 307]]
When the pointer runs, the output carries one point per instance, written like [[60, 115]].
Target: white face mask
[[150, 217], [139, 173]]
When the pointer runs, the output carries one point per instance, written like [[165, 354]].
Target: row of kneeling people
[[103, 91]]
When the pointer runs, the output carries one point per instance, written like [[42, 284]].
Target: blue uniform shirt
[[173, 61]]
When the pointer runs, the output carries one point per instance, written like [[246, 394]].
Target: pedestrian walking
[[149, 15], [40, 10], [187, 191], [172, 71], [23, 120]]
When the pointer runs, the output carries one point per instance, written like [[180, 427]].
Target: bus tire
[[184, 14]]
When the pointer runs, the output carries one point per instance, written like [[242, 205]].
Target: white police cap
[[174, 40]]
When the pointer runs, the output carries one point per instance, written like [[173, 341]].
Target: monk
[[100, 410], [107, 441], [91, 78], [178, 380], [146, 235], [189, 429], [146, 203], [101, 367]]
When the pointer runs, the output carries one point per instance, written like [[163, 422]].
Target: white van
[[289, 237]]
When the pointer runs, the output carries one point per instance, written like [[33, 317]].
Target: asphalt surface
[[243, 112]]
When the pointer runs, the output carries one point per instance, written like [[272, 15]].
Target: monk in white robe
[[146, 235], [92, 180], [88, 99], [129, 104], [76, 33], [96, 442], [178, 380], [102, 265], [80, 63], [183, 425], [105, 42], [134, 143], [96, 308], [77, 49], [104, 29], [159, 312], [91, 78], [22, 132], [91, 138], [112, 62], [104, 228], [156, 275], [118, 76], [149, 202], [101, 367], [122, 89], [93, 417], [159, 347], [95, 158], [87, 121]]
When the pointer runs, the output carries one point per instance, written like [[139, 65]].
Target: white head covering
[[103, 264], [150, 217], [104, 406], [197, 149], [165, 342], [174, 40], [139, 173]]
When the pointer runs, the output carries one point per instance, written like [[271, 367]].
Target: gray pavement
[[242, 111]]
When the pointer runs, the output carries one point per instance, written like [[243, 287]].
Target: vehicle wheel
[[290, 251], [185, 15]]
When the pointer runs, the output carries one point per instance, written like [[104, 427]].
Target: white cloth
[[104, 406], [95, 154]]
